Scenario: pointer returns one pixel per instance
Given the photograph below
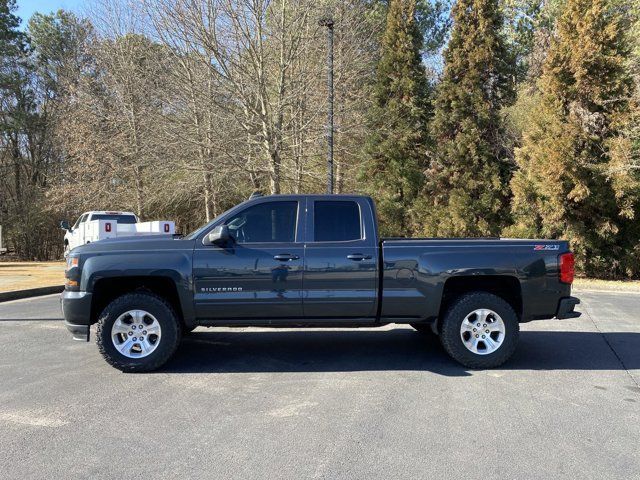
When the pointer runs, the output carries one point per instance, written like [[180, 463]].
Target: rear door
[[341, 265], [259, 274]]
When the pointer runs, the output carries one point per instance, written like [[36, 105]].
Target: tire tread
[[450, 331], [103, 336]]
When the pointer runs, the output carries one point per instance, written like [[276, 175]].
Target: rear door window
[[336, 221]]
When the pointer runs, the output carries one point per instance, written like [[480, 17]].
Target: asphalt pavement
[[358, 403]]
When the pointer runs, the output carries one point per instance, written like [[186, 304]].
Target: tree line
[[462, 118]]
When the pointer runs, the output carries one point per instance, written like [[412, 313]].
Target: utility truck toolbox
[[310, 261], [101, 225]]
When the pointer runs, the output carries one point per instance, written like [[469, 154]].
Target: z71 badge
[[546, 247]]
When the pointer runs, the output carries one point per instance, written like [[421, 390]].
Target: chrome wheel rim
[[136, 334], [482, 331]]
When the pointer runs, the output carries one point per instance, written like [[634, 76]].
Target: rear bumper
[[566, 306]]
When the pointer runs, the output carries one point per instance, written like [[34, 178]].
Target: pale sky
[[26, 8]]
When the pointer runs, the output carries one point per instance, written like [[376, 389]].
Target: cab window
[[123, 219], [265, 223], [336, 221], [81, 219]]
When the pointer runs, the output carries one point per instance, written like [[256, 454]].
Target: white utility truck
[[98, 225]]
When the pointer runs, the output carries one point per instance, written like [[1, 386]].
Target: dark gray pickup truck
[[311, 261]]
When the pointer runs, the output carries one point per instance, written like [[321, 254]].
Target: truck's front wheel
[[138, 332], [480, 330]]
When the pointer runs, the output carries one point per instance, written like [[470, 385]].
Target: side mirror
[[64, 225], [219, 235]]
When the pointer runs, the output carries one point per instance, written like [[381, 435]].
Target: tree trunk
[[274, 172], [139, 194], [206, 176]]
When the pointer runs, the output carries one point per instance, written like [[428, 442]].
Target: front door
[[257, 275]]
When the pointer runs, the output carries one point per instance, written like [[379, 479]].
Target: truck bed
[[417, 272]]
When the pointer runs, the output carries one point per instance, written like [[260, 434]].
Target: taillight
[[166, 228], [567, 267], [107, 227]]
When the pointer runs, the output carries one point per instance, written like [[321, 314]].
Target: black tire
[[424, 328], [166, 317], [451, 323]]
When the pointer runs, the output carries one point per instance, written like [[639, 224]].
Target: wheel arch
[[108, 289], [506, 287]]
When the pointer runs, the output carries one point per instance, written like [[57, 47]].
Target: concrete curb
[[31, 292]]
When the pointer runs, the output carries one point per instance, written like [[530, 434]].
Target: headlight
[[73, 282], [72, 262]]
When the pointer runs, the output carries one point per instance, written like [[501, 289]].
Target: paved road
[[373, 403]]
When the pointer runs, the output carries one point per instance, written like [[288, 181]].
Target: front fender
[[175, 265]]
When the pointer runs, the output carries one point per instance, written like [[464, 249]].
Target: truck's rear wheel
[[138, 332], [480, 330]]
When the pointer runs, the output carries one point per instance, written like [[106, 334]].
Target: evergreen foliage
[[13, 50], [528, 24], [575, 180], [11, 39], [526, 124], [466, 191], [395, 152]]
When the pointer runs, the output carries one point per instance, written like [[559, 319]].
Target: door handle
[[285, 257], [358, 257]]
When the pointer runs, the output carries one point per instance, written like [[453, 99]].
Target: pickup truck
[[98, 225], [311, 261]]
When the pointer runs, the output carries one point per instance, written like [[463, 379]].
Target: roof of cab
[[107, 212], [327, 196]]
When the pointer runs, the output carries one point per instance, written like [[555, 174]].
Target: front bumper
[[76, 309], [566, 306], [79, 332]]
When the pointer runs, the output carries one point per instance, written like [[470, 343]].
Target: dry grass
[[24, 275], [609, 285]]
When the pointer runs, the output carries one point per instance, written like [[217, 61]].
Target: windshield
[[81, 219], [198, 231], [208, 226], [123, 219]]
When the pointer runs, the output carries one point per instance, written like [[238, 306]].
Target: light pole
[[327, 21]]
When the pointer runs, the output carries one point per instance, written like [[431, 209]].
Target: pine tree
[[574, 180], [466, 190], [13, 47], [10, 37], [395, 152]]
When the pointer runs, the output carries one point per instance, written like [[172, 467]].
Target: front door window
[[273, 222], [259, 274]]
